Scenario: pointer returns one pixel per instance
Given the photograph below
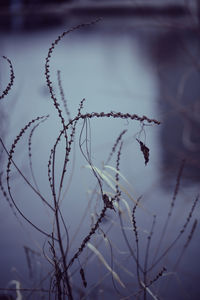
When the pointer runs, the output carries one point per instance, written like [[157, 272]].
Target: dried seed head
[[145, 151], [12, 77]]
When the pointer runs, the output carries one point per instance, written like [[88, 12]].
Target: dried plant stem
[[10, 154], [178, 236], [62, 251], [147, 253], [87, 155], [30, 152], [88, 237], [64, 101], [136, 240], [68, 148], [190, 236], [157, 277], [128, 243], [57, 106], [115, 146], [82, 273], [74, 121], [117, 193], [60, 278], [12, 77], [57, 272], [145, 287], [8, 199], [176, 190]]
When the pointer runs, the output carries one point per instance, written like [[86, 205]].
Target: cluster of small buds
[[12, 77], [51, 91], [176, 189], [8, 199], [47, 69], [134, 221], [117, 173], [30, 138], [82, 273], [49, 169], [190, 214], [18, 137], [191, 233], [179, 234], [160, 274], [152, 228], [80, 106], [116, 144], [64, 100], [112, 114]]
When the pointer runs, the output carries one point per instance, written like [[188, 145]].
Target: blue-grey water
[[112, 70]]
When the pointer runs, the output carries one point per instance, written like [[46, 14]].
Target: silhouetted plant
[[61, 284]]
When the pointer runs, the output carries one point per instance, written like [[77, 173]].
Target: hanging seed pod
[[145, 151]]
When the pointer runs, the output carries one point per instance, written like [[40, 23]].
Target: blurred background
[[142, 57], [165, 31]]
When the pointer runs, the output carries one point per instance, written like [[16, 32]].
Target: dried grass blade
[[118, 172], [18, 287], [149, 291], [101, 258], [102, 175]]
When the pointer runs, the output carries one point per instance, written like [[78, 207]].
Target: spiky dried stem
[[12, 77]]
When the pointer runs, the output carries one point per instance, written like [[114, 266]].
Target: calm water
[[112, 71]]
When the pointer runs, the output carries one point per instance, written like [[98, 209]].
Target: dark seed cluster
[[12, 77]]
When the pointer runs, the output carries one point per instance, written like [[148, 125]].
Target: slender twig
[[178, 236], [147, 253], [176, 190]]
